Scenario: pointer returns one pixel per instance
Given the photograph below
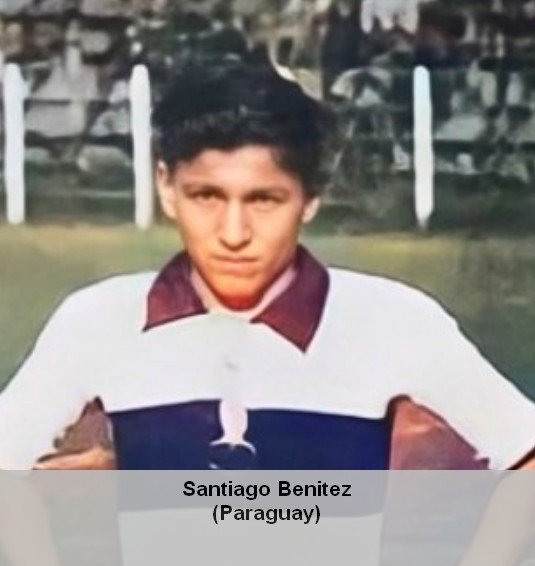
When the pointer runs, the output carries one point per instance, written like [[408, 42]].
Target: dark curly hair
[[231, 105]]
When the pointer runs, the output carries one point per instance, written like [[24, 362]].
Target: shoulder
[[353, 286], [113, 298], [365, 297], [118, 287]]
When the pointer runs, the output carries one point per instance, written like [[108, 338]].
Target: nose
[[234, 231]]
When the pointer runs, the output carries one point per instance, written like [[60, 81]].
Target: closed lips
[[236, 259]]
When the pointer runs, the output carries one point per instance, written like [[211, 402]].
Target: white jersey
[[324, 376]]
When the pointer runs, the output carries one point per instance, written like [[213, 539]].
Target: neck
[[214, 304]]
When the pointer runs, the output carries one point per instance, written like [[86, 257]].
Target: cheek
[[284, 227], [279, 238], [194, 227]]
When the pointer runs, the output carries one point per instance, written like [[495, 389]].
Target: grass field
[[489, 284]]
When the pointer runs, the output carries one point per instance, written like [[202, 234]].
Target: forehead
[[251, 166]]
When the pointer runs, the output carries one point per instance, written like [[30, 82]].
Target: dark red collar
[[295, 314]]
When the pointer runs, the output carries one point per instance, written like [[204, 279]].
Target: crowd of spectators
[[357, 55]]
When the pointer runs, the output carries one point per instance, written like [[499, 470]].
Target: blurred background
[[477, 255]]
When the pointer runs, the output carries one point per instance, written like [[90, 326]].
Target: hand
[[95, 458]]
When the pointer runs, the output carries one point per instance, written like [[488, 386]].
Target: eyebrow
[[268, 190], [192, 187]]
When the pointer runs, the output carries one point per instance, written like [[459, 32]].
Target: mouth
[[235, 260], [236, 266]]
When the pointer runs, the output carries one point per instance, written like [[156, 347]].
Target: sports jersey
[[309, 380]]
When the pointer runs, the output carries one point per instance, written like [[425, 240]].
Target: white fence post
[[423, 147], [140, 105], [14, 95]]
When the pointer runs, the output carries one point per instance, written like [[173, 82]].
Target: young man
[[245, 351]]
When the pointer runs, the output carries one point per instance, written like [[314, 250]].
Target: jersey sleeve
[[455, 380], [45, 395]]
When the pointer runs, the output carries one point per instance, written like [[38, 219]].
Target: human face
[[239, 214]]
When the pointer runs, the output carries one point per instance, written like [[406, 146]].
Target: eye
[[206, 197], [264, 198], [264, 201]]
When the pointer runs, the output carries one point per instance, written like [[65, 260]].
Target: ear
[[166, 189], [310, 210]]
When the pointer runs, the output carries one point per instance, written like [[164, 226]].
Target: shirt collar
[[295, 313]]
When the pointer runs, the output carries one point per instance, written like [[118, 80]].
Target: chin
[[239, 301]]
